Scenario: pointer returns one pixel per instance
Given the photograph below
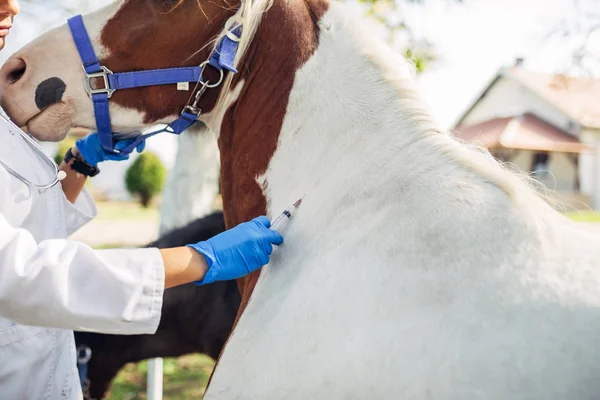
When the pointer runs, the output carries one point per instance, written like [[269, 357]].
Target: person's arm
[[229, 255], [183, 265], [67, 284], [74, 182], [90, 151]]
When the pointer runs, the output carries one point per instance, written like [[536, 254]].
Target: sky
[[478, 37], [472, 40]]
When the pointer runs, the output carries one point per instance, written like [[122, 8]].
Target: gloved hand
[[92, 152], [238, 251]]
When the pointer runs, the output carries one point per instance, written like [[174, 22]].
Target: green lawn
[[584, 216], [184, 378]]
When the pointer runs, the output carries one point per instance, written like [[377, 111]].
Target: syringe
[[281, 222]]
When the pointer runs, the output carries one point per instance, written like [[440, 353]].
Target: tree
[[146, 177], [63, 146], [390, 15], [581, 29]]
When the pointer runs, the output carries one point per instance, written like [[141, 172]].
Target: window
[[540, 164]]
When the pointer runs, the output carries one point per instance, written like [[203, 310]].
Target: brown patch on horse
[[162, 37], [285, 40]]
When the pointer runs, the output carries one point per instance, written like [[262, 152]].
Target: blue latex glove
[[238, 251], [92, 152]]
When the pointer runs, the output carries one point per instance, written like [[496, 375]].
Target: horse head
[[41, 84]]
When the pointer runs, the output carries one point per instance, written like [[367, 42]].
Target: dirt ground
[[125, 233]]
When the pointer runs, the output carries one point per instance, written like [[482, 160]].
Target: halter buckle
[[87, 82], [194, 108]]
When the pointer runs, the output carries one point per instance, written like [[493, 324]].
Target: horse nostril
[[12, 71], [16, 74]]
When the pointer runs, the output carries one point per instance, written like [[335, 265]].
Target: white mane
[[250, 16], [475, 157]]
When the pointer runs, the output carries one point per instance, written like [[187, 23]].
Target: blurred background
[[521, 77]]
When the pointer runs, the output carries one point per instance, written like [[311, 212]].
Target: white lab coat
[[50, 286]]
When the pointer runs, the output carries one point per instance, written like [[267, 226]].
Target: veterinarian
[[50, 286]]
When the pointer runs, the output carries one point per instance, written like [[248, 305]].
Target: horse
[[417, 267], [196, 320]]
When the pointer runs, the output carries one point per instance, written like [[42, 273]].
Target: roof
[[579, 98], [524, 132]]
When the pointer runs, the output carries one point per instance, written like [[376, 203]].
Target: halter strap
[[222, 58]]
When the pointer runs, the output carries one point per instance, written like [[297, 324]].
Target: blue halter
[[221, 58]]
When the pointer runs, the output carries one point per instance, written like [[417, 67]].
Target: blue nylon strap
[[184, 121], [82, 370], [103, 125], [222, 58], [176, 127], [224, 54], [128, 80], [91, 65], [84, 45]]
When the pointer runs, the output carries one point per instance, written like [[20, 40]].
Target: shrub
[[62, 149], [146, 177]]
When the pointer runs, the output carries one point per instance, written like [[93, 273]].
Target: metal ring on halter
[[207, 84], [233, 36], [233, 22], [84, 354]]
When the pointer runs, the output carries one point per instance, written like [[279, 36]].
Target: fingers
[[121, 144], [274, 237], [264, 260], [141, 147], [264, 221], [116, 157]]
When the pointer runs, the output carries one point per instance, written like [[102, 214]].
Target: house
[[544, 124]]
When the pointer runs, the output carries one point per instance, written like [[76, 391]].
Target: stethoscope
[[58, 175]]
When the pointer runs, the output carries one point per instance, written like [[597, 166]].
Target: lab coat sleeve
[[80, 213], [66, 284]]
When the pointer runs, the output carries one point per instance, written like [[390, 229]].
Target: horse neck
[[380, 181], [354, 133]]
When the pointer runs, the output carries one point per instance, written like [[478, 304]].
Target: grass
[[584, 216], [184, 378]]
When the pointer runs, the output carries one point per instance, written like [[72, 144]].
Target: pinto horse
[[416, 268]]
